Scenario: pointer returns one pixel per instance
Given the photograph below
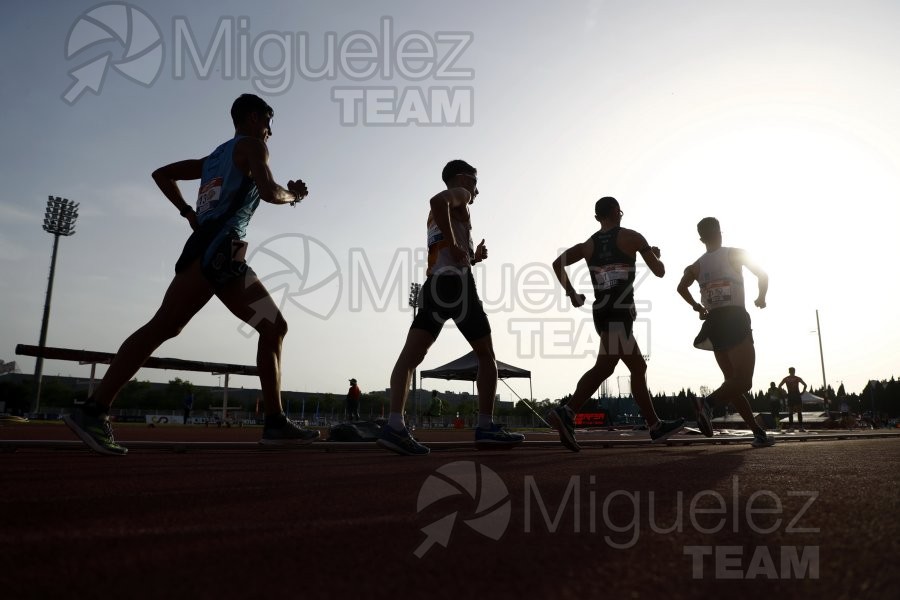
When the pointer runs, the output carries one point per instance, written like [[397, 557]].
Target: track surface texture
[[636, 521]]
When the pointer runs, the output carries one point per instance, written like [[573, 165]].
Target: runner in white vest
[[726, 328]]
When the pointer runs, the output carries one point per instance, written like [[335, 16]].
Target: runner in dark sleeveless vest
[[612, 275], [610, 254]]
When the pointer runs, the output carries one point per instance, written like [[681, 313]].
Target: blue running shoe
[[562, 420], [400, 442], [496, 436]]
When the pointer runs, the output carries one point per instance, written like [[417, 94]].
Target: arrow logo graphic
[[466, 479], [87, 77], [113, 22], [436, 533]]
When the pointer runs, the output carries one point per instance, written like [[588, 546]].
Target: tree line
[[882, 397]]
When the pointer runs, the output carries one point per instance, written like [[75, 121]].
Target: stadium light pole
[[59, 219], [822, 360], [414, 292]]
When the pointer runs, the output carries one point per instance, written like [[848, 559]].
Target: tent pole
[[525, 401], [466, 368], [531, 391]]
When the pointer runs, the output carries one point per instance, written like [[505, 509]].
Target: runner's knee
[[163, 329], [484, 349], [275, 330], [486, 355], [411, 357], [637, 367]]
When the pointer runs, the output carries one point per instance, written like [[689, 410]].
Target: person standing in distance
[[794, 397], [353, 395], [775, 402]]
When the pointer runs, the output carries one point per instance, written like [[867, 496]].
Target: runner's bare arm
[[633, 242], [571, 256], [167, 179], [251, 156], [741, 258], [687, 280]]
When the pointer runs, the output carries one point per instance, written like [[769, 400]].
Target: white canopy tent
[[807, 398]]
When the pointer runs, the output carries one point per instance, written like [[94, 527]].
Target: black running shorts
[[452, 296], [621, 316], [221, 253], [724, 329]]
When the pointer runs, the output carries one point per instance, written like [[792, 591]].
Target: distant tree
[[503, 410], [684, 403], [520, 409], [328, 405], [665, 406], [376, 403], [890, 404], [134, 395], [884, 396], [759, 402], [175, 393], [56, 394], [16, 396]]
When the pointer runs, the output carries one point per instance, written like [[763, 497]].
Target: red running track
[[252, 524]]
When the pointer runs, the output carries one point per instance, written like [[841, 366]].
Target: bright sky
[[778, 117]]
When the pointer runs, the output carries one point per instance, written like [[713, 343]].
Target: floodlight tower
[[822, 359], [58, 220]]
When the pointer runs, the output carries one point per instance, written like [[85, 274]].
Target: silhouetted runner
[[449, 293], [726, 324], [233, 180], [610, 255]]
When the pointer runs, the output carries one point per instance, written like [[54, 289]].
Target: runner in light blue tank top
[[233, 180], [225, 192]]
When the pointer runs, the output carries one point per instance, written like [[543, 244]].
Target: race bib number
[[209, 195], [610, 276], [717, 293], [434, 235]]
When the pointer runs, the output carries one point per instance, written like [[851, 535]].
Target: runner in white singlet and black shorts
[[726, 325]]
